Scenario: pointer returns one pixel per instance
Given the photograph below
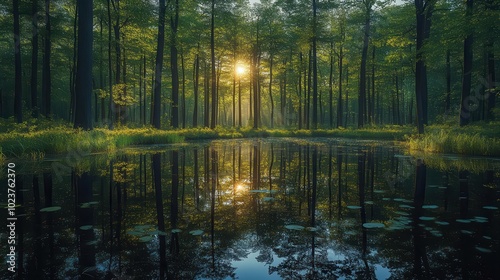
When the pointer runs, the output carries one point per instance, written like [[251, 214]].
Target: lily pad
[[430, 207], [135, 233], [353, 207], [196, 232], [176, 230], [294, 227], [442, 223], [463, 221], [311, 229], [402, 213], [483, 250], [490, 207], [267, 199], [369, 202], [373, 225], [86, 227], [93, 242], [379, 191], [424, 218], [468, 232], [146, 238], [406, 206], [50, 209]]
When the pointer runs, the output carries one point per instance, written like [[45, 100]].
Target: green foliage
[[473, 140]]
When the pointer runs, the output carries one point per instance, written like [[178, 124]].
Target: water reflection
[[261, 208]]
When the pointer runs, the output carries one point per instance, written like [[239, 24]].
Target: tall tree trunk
[[213, 122], [110, 72], [83, 113], [448, 82], [362, 69], [315, 69], [195, 90], [300, 119], [330, 86], [174, 23], [34, 59], [465, 113], [156, 122], [339, 101], [270, 88], [46, 80], [18, 91], [420, 73], [183, 100], [491, 81]]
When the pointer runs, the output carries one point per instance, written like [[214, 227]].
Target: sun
[[240, 70]]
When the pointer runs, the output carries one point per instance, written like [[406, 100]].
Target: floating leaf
[[353, 207], [93, 242], [483, 250], [369, 202], [85, 205], [442, 223], [135, 233], [430, 207], [487, 237], [464, 221], [379, 191], [490, 207], [50, 209], [294, 227], [399, 199], [406, 206], [386, 199], [176, 230], [196, 232], [87, 227], [93, 202], [311, 229], [424, 218], [146, 238], [373, 225], [466, 232], [402, 213]]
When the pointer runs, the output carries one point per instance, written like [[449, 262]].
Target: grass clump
[[482, 140]]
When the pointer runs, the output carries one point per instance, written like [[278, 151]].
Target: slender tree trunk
[[465, 113], [46, 81], [330, 86], [362, 70], [83, 113], [195, 90], [315, 69], [420, 81], [448, 82], [174, 22], [300, 120], [156, 122], [270, 88], [183, 101], [491, 81], [110, 72], [18, 91], [339, 101], [34, 59], [213, 122]]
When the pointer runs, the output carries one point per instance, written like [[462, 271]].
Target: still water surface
[[257, 209]]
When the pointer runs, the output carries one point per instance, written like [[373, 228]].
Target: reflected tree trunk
[[420, 254], [85, 214], [156, 162], [174, 203]]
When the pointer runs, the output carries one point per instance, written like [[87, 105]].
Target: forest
[[284, 64]]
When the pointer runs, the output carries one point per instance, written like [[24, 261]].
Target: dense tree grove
[[274, 63]]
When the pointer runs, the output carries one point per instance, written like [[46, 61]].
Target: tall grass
[[471, 140]]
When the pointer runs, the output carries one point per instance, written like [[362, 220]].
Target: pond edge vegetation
[[33, 143]]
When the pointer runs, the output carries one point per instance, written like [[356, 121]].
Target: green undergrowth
[[36, 141], [480, 139]]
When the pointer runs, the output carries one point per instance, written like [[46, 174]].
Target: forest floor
[[35, 140]]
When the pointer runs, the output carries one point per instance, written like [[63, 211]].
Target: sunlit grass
[[35, 140], [480, 139]]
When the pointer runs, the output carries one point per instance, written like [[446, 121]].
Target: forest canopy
[[284, 63]]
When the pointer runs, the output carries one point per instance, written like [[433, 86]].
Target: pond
[[256, 209]]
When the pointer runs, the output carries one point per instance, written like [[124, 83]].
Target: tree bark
[[465, 113], [83, 113], [18, 91], [174, 23], [46, 81], [156, 122], [34, 59]]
